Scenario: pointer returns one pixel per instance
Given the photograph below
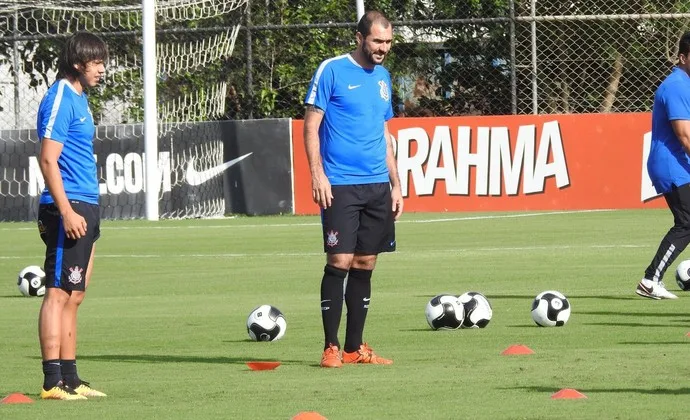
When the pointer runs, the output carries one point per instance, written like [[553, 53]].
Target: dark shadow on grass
[[530, 326], [245, 340], [635, 314], [154, 358], [531, 297], [629, 324], [586, 391], [420, 330]]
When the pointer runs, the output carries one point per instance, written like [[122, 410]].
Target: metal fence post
[[248, 60], [15, 76], [513, 64], [533, 24]]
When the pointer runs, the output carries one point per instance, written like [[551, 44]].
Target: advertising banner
[[513, 163], [205, 169]]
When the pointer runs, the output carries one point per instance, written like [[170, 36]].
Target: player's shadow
[[156, 358], [424, 330], [630, 324], [571, 297], [635, 314], [586, 391]]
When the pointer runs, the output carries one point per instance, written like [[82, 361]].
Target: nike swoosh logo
[[366, 299], [646, 289], [193, 177], [353, 86], [82, 119]]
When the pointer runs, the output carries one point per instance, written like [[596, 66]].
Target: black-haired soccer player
[[354, 180], [68, 215], [668, 165]]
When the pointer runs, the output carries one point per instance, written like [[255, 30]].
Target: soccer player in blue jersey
[[354, 180], [68, 215], [669, 168]]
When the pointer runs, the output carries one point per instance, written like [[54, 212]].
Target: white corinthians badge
[[384, 90]]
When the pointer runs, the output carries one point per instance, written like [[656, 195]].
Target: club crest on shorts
[[41, 227], [331, 238], [75, 276], [384, 90]]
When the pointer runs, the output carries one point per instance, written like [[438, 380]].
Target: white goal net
[[194, 39]]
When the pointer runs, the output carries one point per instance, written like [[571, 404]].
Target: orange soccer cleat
[[365, 354], [331, 357]]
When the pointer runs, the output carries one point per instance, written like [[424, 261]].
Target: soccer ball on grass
[[31, 281], [550, 309], [444, 312], [266, 323], [683, 275], [477, 309]]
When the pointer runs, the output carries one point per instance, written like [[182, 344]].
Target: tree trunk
[[614, 81]]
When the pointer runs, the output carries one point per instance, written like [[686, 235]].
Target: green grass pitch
[[162, 329]]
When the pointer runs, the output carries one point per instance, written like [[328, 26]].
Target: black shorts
[[359, 220], [678, 200], [67, 259]]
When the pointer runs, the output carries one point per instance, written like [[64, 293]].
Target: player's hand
[[74, 224], [397, 198], [321, 190]]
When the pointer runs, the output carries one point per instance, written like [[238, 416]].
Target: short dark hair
[[368, 19], [80, 48], [684, 44]]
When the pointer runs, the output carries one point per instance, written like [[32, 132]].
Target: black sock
[[332, 303], [69, 373], [357, 296], [51, 373]]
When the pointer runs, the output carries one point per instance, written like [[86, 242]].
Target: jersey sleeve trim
[[54, 112], [311, 98]]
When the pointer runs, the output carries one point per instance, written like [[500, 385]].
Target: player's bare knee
[[76, 298], [364, 262], [341, 261], [55, 296]]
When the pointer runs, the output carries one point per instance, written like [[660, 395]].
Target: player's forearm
[[391, 161], [53, 180], [312, 121], [393, 175], [311, 144]]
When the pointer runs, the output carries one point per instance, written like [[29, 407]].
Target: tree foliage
[[450, 57]]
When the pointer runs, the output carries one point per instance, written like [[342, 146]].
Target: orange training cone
[[309, 415], [517, 349], [263, 365], [16, 398], [568, 394]]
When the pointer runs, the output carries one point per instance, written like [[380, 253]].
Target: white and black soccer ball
[[550, 309], [683, 275], [31, 281], [444, 312], [478, 311], [266, 323]]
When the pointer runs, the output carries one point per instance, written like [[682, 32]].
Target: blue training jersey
[[64, 116], [668, 164], [356, 104]]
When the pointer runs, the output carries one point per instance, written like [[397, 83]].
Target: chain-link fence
[[238, 59]]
